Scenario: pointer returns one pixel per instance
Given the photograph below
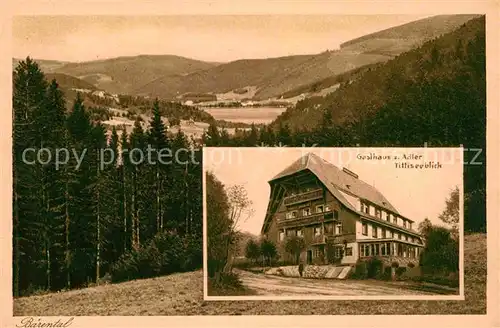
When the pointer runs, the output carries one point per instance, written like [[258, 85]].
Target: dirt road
[[264, 284]]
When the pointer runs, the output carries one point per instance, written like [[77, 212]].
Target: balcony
[[304, 220], [303, 197], [318, 239]]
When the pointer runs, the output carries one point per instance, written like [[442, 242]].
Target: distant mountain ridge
[[169, 76], [385, 83]]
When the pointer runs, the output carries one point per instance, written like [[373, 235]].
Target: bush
[[164, 254], [360, 271], [387, 274], [374, 267], [400, 271]]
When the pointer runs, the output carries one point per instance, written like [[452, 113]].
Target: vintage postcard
[[170, 163], [333, 223]]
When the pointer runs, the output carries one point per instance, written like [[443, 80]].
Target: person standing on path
[[301, 268]]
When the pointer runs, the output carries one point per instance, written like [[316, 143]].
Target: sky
[[416, 193], [209, 37]]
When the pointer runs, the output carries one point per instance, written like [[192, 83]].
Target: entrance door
[[309, 256]]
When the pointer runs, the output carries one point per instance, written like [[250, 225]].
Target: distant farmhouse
[[325, 205]]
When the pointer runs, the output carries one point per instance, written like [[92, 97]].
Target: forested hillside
[[79, 219], [445, 59], [434, 95]]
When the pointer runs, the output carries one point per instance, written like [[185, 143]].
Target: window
[[291, 215], [395, 219], [327, 208], [374, 249], [317, 252], [348, 251], [291, 233], [306, 211], [364, 250], [384, 233], [364, 229], [338, 229], [399, 235], [404, 223], [299, 233], [383, 249], [338, 251], [377, 212], [388, 248], [400, 250], [317, 231], [282, 235], [365, 208], [335, 214], [375, 232], [329, 228], [387, 216], [319, 209]]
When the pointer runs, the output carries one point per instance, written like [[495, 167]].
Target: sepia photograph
[[253, 164], [286, 222]]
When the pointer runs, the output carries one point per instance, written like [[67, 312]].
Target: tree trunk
[[48, 267], [98, 251], [133, 209], [159, 225], [124, 189], [67, 223], [16, 242]]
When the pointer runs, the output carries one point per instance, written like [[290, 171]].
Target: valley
[[224, 89]]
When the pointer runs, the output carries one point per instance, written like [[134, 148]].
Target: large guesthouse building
[[331, 208]]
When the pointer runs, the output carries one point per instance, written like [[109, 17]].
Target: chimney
[[351, 173]]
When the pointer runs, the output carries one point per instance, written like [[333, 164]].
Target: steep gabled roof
[[337, 180]]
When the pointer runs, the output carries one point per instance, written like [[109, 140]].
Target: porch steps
[[334, 273], [344, 272]]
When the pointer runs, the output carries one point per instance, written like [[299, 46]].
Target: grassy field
[[182, 294]]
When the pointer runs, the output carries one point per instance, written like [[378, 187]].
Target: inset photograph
[[333, 223]]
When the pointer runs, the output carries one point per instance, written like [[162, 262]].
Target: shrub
[[294, 246], [374, 267], [400, 271], [164, 254], [360, 271], [387, 274], [268, 250], [440, 254]]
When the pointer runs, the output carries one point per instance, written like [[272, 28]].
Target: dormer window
[[320, 209], [306, 211]]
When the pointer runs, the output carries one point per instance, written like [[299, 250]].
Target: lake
[[247, 115]]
